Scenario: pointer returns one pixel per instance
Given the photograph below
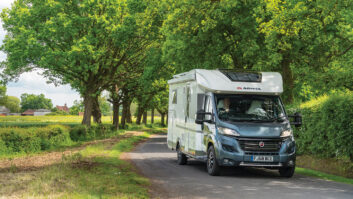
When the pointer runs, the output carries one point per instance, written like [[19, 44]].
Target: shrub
[[28, 140], [79, 133], [84, 133], [53, 136], [20, 140], [327, 126], [3, 148]]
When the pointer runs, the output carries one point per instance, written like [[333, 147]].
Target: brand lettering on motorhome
[[250, 88]]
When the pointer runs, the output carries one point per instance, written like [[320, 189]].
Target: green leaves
[[31, 101], [211, 34]]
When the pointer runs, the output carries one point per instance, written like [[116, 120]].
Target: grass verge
[[325, 176], [94, 172]]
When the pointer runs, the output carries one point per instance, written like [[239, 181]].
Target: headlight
[[226, 131], [286, 133]]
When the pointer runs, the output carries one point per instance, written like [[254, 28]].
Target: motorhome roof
[[225, 81]]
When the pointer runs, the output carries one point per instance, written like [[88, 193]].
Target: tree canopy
[[2, 94], [132, 47], [82, 43], [13, 103], [32, 101]]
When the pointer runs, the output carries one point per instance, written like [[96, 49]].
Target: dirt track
[[38, 161]]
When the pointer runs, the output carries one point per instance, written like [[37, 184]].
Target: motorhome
[[230, 118]]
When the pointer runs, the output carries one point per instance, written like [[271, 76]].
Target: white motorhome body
[[197, 90], [183, 91]]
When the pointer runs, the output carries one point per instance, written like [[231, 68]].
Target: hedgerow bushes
[[327, 129], [14, 140], [84, 133], [29, 140]]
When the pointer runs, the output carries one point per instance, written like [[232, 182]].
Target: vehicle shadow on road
[[237, 171]]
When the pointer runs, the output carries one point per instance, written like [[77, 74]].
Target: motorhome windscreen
[[249, 108], [242, 76]]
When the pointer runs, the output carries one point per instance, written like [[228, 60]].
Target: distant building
[[63, 108], [37, 112], [40, 112], [28, 112], [15, 114], [4, 111]]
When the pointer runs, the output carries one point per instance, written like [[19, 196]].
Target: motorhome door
[[209, 127], [186, 135]]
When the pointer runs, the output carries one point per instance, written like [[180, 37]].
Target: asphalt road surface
[[157, 162]]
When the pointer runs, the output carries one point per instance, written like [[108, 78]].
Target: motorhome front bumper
[[279, 153]]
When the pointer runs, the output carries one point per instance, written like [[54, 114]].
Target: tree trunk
[[139, 115], [162, 119], [288, 80], [144, 118], [128, 113], [167, 119], [88, 101], [96, 112], [123, 116], [116, 107], [152, 116]]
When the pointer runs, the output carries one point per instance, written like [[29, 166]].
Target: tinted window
[[242, 76], [249, 108], [174, 97]]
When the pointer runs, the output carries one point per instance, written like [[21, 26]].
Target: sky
[[33, 83]]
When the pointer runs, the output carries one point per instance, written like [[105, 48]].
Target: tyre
[[212, 166], [181, 157], [287, 172]]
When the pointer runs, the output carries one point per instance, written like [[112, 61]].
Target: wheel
[[287, 171], [182, 159], [212, 166]]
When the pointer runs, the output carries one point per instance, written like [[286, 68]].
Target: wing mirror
[[297, 119], [202, 116]]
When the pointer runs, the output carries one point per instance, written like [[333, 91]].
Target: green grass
[[94, 172], [322, 175]]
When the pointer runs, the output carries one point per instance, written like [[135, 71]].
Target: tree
[[77, 107], [32, 101], [13, 103], [161, 100], [56, 111], [104, 105], [127, 85], [82, 43], [310, 42], [211, 34], [2, 94]]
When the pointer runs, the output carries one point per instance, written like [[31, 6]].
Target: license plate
[[262, 158]]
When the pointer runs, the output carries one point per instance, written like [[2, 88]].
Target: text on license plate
[[262, 158]]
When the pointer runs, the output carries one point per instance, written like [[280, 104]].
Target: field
[[94, 170], [28, 121], [57, 157]]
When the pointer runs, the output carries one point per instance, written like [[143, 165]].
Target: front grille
[[253, 144]]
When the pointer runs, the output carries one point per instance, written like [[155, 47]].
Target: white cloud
[[5, 3], [33, 83]]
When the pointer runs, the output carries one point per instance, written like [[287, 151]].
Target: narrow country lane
[[170, 180]]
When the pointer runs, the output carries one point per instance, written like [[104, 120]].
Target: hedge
[[14, 140], [327, 129], [29, 140]]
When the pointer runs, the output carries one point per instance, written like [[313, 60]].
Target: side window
[[175, 97], [188, 100]]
